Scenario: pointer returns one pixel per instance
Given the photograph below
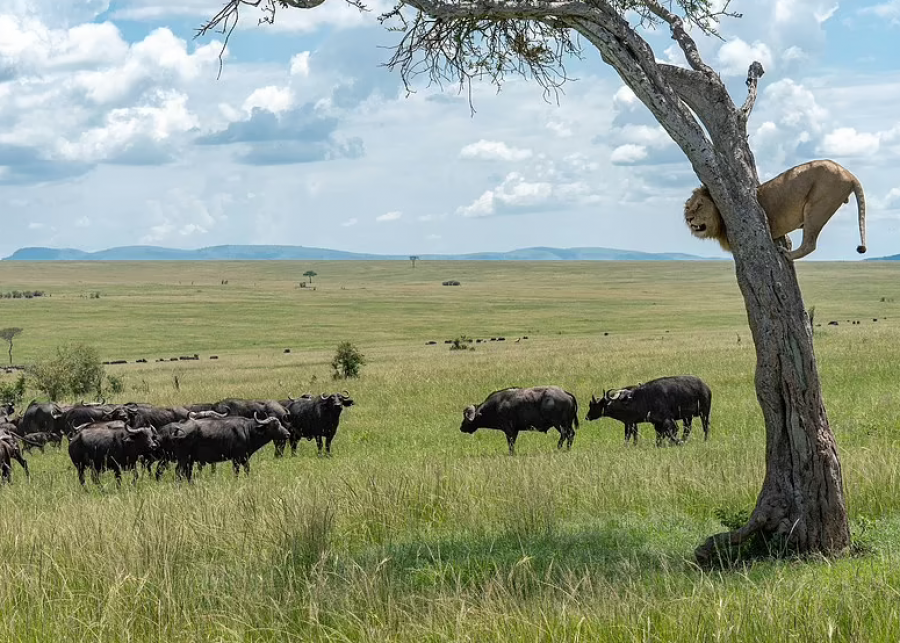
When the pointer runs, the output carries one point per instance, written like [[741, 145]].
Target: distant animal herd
[[125, 437]]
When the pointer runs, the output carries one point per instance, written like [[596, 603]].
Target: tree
[[310, 274], [413, 259], [74, 370], [347, 361], [8, 335], [801, 505]]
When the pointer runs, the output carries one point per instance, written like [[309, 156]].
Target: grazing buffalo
[[42, 418], [207, 441], [140, 415], [525, 409], [661, 402], [82, 414], [40, 440], [317, 418], [9, 451], [114, 445]]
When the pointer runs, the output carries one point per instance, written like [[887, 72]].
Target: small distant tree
[[309, 274], [413, 259], [75, 370], [8, 335], [347, 361]]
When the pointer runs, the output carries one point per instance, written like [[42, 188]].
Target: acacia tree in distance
[[8, 335], [801, 504], [309, 274]]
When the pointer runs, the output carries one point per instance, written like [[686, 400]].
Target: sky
[[114, 130]]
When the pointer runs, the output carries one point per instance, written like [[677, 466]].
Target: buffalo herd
[[116, 437]]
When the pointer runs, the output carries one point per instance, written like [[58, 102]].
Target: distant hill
[[244, 253], [891, 258]]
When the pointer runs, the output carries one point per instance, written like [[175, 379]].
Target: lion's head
[[703, 217]]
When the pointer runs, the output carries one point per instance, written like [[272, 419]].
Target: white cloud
[[300, 64], [735, 57], [560, 129], [493, 151], [271, 98], [625, 98], [628, 153], [846, 141], [889, 10], [517, 195], [389, 216], [350, 222]]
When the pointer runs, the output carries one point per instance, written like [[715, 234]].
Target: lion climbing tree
[[800, 508]]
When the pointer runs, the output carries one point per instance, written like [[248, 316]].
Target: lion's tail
[[861, 206]]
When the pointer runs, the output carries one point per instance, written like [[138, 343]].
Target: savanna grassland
[[414, 531]]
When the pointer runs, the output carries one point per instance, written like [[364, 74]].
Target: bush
[[76, 370], [347, 361], [461, 343], [115, 384], [13, 392]]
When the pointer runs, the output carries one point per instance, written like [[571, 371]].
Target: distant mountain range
[[245, 253], [890, 258]]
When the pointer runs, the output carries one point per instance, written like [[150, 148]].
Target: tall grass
[[414, 531]]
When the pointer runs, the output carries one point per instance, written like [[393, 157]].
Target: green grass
[[415, 531]]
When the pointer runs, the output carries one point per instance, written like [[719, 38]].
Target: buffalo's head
[[142, 437], [469, 423], [271, 427], [613, 398], [346, 400]]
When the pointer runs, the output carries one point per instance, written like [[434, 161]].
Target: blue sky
[[115, 131]]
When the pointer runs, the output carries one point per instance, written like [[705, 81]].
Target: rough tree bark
[[801, 505]]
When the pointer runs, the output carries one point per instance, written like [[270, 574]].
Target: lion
[[806, 196]]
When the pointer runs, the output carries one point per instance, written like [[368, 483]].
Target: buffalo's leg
[[236, 465], [705, 420], [81, 474], [246, 464], [570, 438], [328, 439], [688, 427], [95, 475], [319, 444], [511, 441], [294, 440], [24, 464], [117, 470], [5, 472]]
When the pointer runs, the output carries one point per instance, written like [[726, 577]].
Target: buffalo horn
[[78, 428], [324, 396], [345, 393]]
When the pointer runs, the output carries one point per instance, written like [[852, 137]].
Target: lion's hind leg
[[816, 213]]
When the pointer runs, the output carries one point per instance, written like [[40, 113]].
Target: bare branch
[[705, 20], [753, 75]]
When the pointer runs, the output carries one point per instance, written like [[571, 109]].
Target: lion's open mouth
[[698, 228]]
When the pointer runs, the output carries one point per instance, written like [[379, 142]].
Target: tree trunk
[[800, 508]]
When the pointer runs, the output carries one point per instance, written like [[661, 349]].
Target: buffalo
[[40, 440], [317, 418], [525, 409], [207, 441], [42, 418], [82, 414], [112, 445], [9, 451], [661, 402], [140, 415]]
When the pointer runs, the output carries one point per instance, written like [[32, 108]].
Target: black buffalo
[[661, 402], [317, 418], [40, 440], [113, 445], [9, 451], [525, 409], [42, 418], [154, 416], [207, 441], [82, 414]]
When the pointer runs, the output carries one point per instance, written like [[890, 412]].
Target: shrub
[[13, 392], [75, 370], [347, 361], [461, 343], [115, 384]]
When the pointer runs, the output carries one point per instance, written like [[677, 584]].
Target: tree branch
[[679, 35], [753, 75]]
